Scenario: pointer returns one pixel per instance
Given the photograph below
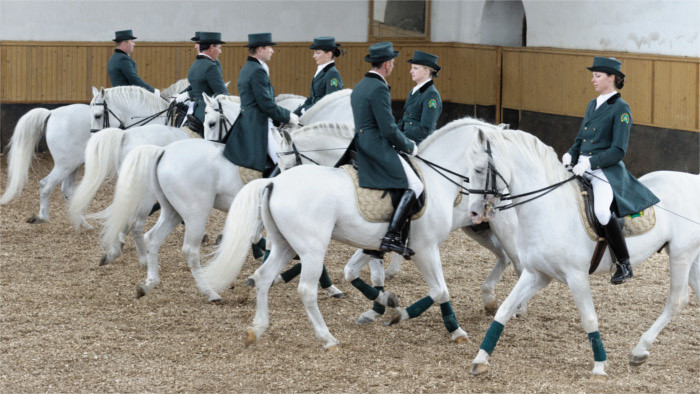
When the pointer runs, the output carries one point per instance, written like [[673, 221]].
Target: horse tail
[[133, 186], [102, 156], [25, 139], [243, 224]]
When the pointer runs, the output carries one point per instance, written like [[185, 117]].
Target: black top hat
[[209, 37], [425, 59], [260, 40], [123, 35], [381, 52], [196, 36], [608, 65]]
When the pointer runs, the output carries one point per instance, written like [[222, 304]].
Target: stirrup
[[622, 272], [392, 244]]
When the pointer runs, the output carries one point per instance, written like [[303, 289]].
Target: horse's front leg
[[427, 261], [167, 221], [394, 266], [195, 228], [529, 283], [374, 293]]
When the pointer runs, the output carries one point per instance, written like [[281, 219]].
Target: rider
[[250, 143], [121, 68], [598, 150], [377, 140], [423, 105], [327, 78], [205, 75]]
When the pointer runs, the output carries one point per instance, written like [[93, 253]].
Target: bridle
[[224, 124], [106, 112]]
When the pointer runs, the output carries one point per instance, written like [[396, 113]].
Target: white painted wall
[[668, 27], [287, 20]]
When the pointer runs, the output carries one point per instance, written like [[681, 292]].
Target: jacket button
[[584, 140], [410, 122], [594, 129], [585, 128], [361, 130]]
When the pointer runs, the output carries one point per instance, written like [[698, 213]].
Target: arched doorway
[[503, 23]]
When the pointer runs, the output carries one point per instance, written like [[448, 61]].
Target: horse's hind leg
[[694, 277], [68, 188], [46, 186], [167, 221], [311, 269], [394, 266], [377, 294], [680, 268], [195, 227]]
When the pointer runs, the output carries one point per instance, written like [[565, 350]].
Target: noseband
[[224, 124], [105, 117]]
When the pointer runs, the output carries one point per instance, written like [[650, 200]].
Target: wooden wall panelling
[[638, 90], [511, 93]]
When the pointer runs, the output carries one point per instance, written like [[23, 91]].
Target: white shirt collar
[[420, 86], [265, 66], [321, 67], [603, 98], [380, 76]]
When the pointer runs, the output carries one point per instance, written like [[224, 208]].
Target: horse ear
[[102, 91], [227, 83], [481, 136], [207, 99], [95, 92]]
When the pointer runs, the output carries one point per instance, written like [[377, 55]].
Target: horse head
[[219, 115], [485, 180], [288, 154], [99, 113]]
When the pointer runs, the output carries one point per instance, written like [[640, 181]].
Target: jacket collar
[[252, 59], [426, 86], [375, 76], [324, 69], [117, 50], [200, 56], [614, 98]]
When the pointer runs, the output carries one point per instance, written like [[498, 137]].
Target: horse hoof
[[205, 239], [596, 377], [218, 239], [250, 282], [394, 320], [636, 361], [392, 300], [251, 338], [462, 339], [140, 291], [479, 369], [103, 260], [491, 307], [216, 301], [338, 295], [36, 220], [333, 348], [364, 320]]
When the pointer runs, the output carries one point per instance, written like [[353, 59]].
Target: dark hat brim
[[326, 48], [124, 38], [262, 44], [215, 42], [381, 59], [425, 63], [607, 70], [195, 39]]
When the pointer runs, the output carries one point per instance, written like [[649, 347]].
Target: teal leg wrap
[[419, 307], [448, 317], [597, 345], [259, 249], [291, 273], [368, 291], [267, 254], [325, 279], [377, 307], [492, 336]]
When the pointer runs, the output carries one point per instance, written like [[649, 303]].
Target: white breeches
[[602, 194], [272, 147], [414, 182]]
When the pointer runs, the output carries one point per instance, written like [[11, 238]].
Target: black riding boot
[[613, 233], [392, 241]]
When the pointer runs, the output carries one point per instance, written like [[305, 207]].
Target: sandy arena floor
[[69, 325]]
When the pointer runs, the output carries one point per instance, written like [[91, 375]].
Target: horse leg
[[46, 186], [376, 269], [262, 279], [581, 291], [379, 295], [527, 286], [394, 266], [67, 188], [680, 268], [167, 221], [137, 234], [694, 278], [195, 228], [427, 261], [311, 269]]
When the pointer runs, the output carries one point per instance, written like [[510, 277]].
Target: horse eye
[[98, 116], [212, 124], [479, 171]]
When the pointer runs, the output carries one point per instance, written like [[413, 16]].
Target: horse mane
[[532, 149], [456, 124], [324, 129], [320, 104], [135, 97], [174, 89], [287, 96], [231, 99]]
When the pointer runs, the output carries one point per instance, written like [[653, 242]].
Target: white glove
[[157, 91], [293, 119], [414, 152], [566, 159], [182, 97], [583, 164]]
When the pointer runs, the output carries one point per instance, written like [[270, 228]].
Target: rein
[[224, 124], [300, 154], [106, 112]]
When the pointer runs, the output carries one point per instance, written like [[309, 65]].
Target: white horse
[[104, 154], [305, 207], [174, 89], [289, 101], [553, 243], [189, 178]]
